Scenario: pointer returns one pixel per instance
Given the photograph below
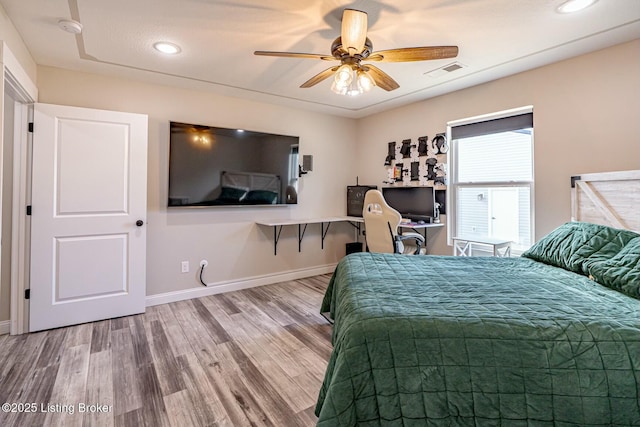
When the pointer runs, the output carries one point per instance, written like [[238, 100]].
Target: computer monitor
[[415, 203]]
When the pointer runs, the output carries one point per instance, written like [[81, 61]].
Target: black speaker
[[355, 198], [307, 163]]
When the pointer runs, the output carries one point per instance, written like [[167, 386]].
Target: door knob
[[139, 223]]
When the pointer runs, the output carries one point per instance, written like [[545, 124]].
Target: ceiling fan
[[352, 48]]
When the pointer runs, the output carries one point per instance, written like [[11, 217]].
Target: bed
[[549, 339], [246, 188]]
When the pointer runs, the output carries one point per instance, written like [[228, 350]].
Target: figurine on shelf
[[436, 218]]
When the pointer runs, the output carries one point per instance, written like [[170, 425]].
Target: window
[[291, 192], [491, 191], [293, 166]]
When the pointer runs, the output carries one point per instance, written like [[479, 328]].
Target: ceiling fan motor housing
[[338, 51]]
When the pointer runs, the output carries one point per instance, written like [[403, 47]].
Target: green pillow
[[261, 197], [622, 272], [603, 244], [575, 245], [232, 194]]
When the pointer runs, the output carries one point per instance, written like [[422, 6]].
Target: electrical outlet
[[185, 266], [204, 263]]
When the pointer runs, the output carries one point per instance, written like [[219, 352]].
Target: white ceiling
[[218, 37]]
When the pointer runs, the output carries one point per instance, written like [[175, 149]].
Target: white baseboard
[[234, 285], [5, 326]]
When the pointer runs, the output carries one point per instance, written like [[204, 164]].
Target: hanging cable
[[202, 266]]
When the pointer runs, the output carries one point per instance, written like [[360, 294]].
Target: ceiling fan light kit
[[352, 77], [344, 75], [364, 80], [351, 81]]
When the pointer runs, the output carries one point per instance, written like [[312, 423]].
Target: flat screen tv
[[212, 166], [415, 203]]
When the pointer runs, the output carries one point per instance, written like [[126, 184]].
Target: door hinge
[[29, 210], [31, 127], [27, 294]]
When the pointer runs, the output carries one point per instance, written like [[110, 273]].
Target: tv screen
[[211, 166], [415, 203]]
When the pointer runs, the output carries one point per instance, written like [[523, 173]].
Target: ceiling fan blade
[[319, 77], [381, 78], [409, 54], [295, 55], [354, 31]]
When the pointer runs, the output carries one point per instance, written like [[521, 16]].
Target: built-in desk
[[325, 223], [277, 225], [420, 227]]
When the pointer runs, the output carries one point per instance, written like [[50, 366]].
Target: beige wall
[[586, 112], [227, 237], [10, 36], [585, 119]]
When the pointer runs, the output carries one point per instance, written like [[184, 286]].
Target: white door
[[88, 239], [503, 213]]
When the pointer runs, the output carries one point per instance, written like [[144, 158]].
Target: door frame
[[15, 79], [21, 223]]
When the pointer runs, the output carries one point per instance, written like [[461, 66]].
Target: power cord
[[202, 266]]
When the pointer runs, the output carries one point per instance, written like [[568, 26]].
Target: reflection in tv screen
[[210, 166]]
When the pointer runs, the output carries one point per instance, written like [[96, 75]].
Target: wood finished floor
[[254, 357]]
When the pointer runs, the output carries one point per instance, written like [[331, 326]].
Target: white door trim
[[25, 91], [20, 238]]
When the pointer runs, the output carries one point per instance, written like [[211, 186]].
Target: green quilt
[[453, 341]]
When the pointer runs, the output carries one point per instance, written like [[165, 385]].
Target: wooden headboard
[[609, 198]]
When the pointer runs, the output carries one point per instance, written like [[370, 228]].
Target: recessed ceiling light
[[571, 6], [166, 47]]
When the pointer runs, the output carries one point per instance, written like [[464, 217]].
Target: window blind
[[498, 157], [520, 121]]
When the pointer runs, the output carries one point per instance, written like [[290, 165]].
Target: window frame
[[454, 184]]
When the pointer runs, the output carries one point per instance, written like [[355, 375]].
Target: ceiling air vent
[[449, 68]]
